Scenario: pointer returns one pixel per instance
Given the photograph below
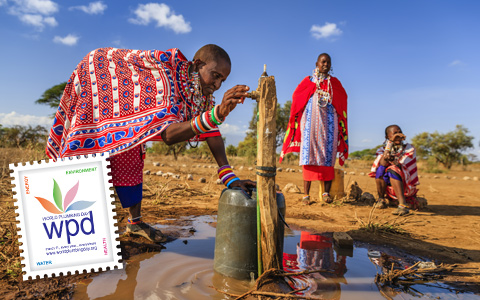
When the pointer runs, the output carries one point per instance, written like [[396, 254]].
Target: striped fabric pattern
[[319, 127], [408, 162], [118, 98]]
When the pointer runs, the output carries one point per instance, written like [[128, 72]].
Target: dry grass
[[385, 225]]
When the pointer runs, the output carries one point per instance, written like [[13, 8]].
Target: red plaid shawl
[[300, 98], [118, 98]]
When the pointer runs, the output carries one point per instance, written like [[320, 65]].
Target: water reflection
[[315, 252], [184, 270]]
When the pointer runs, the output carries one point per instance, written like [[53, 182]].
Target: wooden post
[[266, 96]]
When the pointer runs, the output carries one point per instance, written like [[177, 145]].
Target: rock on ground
[[291, 188], [367, 198], [422, 202]]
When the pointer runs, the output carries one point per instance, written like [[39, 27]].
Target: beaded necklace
[[195, 102], [324, 97]]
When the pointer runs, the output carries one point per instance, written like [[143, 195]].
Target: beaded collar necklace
[[324, 96], [190, 87]]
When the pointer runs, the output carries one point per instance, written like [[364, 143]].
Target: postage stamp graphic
[[66, 216]]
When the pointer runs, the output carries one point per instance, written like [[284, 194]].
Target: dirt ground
[[448, 230]]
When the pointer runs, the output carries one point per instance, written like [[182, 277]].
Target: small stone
[[241, 168], [447, 177], [189, 177], [146, 172], [293, 170], [345, 172], [165, 175], [162, 165], [367, 198], [233, 167], [351, 173], [362, 174], [475, 178], [176, 176], [291, 188], [300, 171], [466, 178], [156, 164], [422, 202], [184, 166], [454, 177], [219, 181], [250, 169], [279, 169], [159, 173], [436, 177], [202, 180]]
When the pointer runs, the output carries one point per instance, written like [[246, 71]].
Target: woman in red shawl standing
[[319, 106]]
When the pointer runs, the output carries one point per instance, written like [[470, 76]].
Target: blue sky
[[414, 63]]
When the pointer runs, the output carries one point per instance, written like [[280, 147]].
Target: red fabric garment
[[119, 98], [127, 167], [318, 173], [408, 162], [300, 98]]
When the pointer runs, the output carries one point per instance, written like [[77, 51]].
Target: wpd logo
[[60, 207]]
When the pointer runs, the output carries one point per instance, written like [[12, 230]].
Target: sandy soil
[[448, 230]]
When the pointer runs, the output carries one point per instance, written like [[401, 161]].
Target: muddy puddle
[[184, 270]]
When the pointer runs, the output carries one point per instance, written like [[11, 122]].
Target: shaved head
[[212, 52]]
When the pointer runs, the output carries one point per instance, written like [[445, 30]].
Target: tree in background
[[248, 147], [52, 96], [23, 136], [231, 150], [365, 154], [164, 149], [447, 148]]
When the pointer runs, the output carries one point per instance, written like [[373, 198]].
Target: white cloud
[[34, 12], [69, 40], [93, 8], [13, 118], [456, 63], [325, 31], [162, 15], [232, 129]]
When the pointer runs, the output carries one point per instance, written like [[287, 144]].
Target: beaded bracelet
[[202, 123], [226, 175], [215, 117]]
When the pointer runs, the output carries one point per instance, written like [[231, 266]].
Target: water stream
[[184, 270]]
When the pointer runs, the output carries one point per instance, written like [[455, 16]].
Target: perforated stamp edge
[[28, 273]]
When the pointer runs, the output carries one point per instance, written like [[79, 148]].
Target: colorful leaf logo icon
[[65, 205]]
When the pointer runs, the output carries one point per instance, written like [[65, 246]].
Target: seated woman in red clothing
[[395, 171]]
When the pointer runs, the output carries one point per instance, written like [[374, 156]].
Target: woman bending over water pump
[[118, 99]]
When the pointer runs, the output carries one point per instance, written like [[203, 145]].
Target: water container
[[236, 234], [337, 190]]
